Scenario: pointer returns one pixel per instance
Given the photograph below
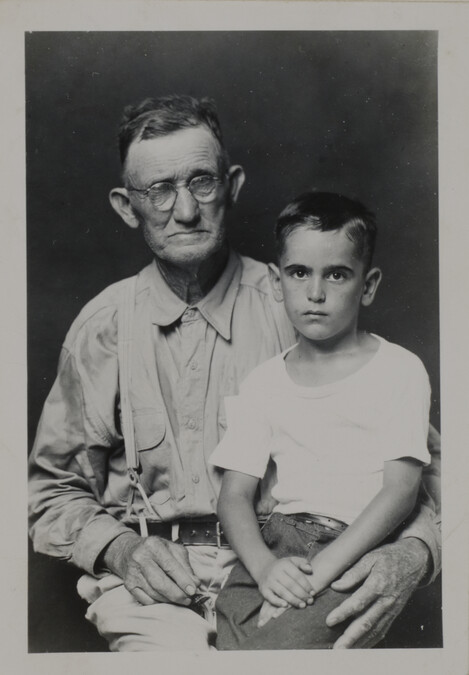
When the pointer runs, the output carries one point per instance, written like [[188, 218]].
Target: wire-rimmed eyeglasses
[[163, 195]]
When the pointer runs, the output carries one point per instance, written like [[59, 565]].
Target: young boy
[[344, 416]]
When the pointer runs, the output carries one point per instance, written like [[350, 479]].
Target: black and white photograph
[[234, 309]]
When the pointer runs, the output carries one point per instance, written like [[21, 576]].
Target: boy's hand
[[268, 612], [284, 582]]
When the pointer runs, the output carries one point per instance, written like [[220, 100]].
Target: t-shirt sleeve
[[245, 447], [405, 429]]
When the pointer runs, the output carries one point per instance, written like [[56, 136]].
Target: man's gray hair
[[156, 117]]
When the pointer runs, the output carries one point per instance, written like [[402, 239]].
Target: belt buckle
[[197, 603], [175, 531], [218, 533]]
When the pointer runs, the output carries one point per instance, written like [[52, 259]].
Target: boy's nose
[[186, 207], [316, 292]]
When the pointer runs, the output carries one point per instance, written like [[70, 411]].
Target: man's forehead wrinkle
[[151, 161]]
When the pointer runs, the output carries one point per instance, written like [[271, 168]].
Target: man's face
[[190, 232], [322, 283]]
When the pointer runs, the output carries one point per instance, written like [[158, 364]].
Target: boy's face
[[323, 283]]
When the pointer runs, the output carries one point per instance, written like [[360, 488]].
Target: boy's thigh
[[240, 601], [237, 606], [300, 628]]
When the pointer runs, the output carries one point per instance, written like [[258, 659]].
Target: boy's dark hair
[[156, 117], [326, 211]]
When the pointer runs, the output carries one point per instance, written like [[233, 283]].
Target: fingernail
[[310, 601], [302, 605], [190, 590]]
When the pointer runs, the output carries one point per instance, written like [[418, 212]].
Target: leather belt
[[204, 531], [315, 518]]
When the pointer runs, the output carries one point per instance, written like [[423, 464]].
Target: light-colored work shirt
[[185, 361], [329, 442]]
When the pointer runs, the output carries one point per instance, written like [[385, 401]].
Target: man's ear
[[120, 202], [372, 281], [274, 278], [236, 178]]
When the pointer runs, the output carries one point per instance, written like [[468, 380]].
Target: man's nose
[[316, 290], [186, 207]]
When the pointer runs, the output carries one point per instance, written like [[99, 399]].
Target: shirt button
[[194, 365], [191, 424], [195, 479]]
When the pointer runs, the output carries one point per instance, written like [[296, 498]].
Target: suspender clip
[[133, 477], [219, 533]]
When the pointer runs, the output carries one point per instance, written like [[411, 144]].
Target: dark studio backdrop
[[353, 112]]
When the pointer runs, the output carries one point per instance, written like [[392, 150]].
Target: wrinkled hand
[[389, 574], [153, 569], [284, 582]]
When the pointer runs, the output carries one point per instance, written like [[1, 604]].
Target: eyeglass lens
[[163, 195]]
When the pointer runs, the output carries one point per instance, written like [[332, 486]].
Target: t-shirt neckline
[[326, 389]]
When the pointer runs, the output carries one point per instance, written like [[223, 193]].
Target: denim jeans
[[239, 601]]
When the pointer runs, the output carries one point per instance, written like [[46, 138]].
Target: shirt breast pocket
[[154, 453]]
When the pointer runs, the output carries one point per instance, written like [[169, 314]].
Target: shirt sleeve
[[68, 462], [405, 430], [245, 445]]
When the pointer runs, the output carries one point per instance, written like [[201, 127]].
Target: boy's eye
[[298, 274], [337, 276]]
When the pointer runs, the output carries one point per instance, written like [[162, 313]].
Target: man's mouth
[[313, 313], [187, 233]]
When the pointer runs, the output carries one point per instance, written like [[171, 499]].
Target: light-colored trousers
[[129, 626]]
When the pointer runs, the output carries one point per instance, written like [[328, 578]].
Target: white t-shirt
[[329, 442]]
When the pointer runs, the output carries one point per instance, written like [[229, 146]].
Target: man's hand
[[153, 569], [284, 582], [389, 574]]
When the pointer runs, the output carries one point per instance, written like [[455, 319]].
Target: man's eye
[[160, 191], [203, 184]]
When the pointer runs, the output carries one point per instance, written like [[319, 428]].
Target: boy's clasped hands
[[284, 583]]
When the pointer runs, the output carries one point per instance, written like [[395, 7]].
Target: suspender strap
[[125, 321], [125, 318]]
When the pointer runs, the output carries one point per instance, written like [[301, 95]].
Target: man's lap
[[129, 626]]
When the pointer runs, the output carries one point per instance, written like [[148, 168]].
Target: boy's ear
[[274, 278], [120, 202], [372, 281]]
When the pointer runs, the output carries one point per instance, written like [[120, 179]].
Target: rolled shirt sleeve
[[67, 465]]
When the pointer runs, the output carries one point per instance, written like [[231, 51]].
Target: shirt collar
[[216, 307]]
